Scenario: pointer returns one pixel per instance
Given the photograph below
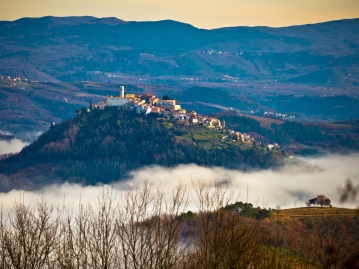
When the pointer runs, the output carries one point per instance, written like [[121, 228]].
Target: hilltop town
[[165, 108], [168, 109]]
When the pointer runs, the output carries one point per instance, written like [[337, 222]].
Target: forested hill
[[103, 146]]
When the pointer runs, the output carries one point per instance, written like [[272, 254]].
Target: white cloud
[[5, 132]]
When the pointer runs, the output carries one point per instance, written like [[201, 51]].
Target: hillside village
[[12, 79], [167, 108]]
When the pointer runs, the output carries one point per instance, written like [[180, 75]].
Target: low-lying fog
[[16, 144], [12, 146], [289, 187]]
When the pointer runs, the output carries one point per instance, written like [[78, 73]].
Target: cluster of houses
[[149, 104], [12, 79], [245, 138], [273, 146], [277, 115]]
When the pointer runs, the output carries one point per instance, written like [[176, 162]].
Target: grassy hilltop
[[313, 212]]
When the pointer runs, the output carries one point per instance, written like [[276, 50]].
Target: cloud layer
[[288, 187]]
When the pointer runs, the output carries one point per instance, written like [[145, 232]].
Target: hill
[[104, 146], [307, 212], [87, 48], [28, 108]]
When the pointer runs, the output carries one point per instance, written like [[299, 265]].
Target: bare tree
[[133, 211], [144, 229], [165, 248], [72, 250], [29, 238], [223, 239], [148, 227], [101, 234], [331, 241]]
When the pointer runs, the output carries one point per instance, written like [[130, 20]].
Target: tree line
[[146, 228]]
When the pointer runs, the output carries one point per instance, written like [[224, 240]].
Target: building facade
[[116, 101]]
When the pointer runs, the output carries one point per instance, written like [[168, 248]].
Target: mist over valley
[[291, 186]]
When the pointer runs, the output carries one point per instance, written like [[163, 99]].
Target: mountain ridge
[[88, 18], [70, 48]]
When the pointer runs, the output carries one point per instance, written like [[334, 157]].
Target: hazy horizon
[[80, 16], [208, 15]]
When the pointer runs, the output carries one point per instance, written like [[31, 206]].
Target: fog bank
[[288, 187], [12, 146], [27, 136]]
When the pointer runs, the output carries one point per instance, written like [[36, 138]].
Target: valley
[[148, 142], [32, 106], [293, 90]]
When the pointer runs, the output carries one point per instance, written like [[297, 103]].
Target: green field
[[106, 115], [210, 138], [302, 212]]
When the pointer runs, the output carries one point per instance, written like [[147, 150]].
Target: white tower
[[122, 91]]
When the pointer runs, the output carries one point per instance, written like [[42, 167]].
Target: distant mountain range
[[108, 49]]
